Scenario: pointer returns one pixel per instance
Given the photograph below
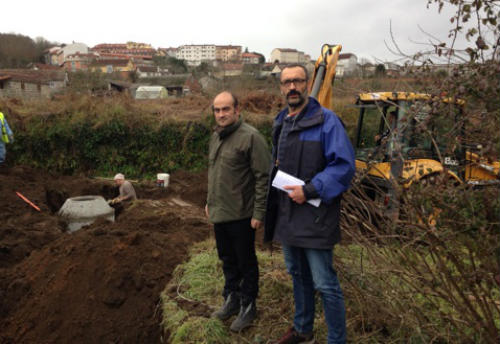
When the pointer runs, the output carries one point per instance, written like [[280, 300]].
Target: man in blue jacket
[[6, 136], [310, 143]]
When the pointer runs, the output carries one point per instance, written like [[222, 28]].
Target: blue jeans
[[312, 269], [2, 151]]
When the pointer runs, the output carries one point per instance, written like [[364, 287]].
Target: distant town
[[127, 65], [230, 59]]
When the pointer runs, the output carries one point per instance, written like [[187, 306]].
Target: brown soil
[[100, 284]]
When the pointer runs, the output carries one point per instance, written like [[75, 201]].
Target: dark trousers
[[236, 248]]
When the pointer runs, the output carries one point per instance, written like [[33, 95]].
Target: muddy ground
[[100, 284]]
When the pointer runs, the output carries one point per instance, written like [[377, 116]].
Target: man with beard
[[310, 143], [237, 179]]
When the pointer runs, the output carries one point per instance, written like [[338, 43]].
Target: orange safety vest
[[5, 137]]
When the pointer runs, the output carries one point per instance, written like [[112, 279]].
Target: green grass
[[200, 330]]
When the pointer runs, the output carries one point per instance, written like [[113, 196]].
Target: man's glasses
[[289, 82]]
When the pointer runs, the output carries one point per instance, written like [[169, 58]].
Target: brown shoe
[[293, 337]]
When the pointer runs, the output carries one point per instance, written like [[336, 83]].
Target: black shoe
[[293, 337], [245, 318], [230, 307]]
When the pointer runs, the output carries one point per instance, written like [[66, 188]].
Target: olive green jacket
[[238, 171]]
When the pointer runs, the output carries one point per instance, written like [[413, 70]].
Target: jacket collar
[[226, 131], [311, 115]]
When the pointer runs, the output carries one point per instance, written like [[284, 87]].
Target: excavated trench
[[102, 282]]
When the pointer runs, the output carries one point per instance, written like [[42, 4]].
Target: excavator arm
[[324, 74]]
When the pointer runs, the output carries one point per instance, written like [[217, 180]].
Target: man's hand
[[256, 224], [296, 194], [206, 210]]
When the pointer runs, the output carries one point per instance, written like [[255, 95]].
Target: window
[[374, 131], [22, 85]]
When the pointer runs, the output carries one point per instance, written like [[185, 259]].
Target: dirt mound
[[101, 283]]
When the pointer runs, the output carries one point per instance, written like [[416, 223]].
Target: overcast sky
[[361, 26]]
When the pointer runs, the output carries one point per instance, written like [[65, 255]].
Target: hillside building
[[228, 53], [281, 55], [250, 58], [31, 84], [347, 65], [195, 54], [129, 49]]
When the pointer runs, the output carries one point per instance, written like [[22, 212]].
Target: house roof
[[32, 76], [43, 66], [112, 62], [110, 46], [81, 57], [125, 56], [287, 50], [52, 50], [113, 56], [250, 55], [346, 56], [228, 46]]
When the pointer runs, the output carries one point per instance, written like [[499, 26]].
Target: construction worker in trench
[[126, 196]]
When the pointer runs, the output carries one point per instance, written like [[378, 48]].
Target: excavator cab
[[400, 128], [407, 137], [403, 120]]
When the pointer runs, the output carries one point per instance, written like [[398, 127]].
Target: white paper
[[282, 178]]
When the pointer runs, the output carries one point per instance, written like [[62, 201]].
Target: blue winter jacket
[[318, 151]]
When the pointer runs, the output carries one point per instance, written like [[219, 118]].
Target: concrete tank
[[83, 210]]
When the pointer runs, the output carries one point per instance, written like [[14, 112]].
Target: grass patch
[[200, 280], [382, 306], [200, 330]]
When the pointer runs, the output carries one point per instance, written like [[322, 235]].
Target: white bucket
[[162, 179]]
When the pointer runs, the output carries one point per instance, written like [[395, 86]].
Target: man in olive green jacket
[[237, 182]]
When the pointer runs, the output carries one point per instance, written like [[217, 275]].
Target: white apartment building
[[195, 54]]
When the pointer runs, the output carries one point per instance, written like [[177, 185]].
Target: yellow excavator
[[400, 139]]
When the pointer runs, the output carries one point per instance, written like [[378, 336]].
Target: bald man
[[238, 168]]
